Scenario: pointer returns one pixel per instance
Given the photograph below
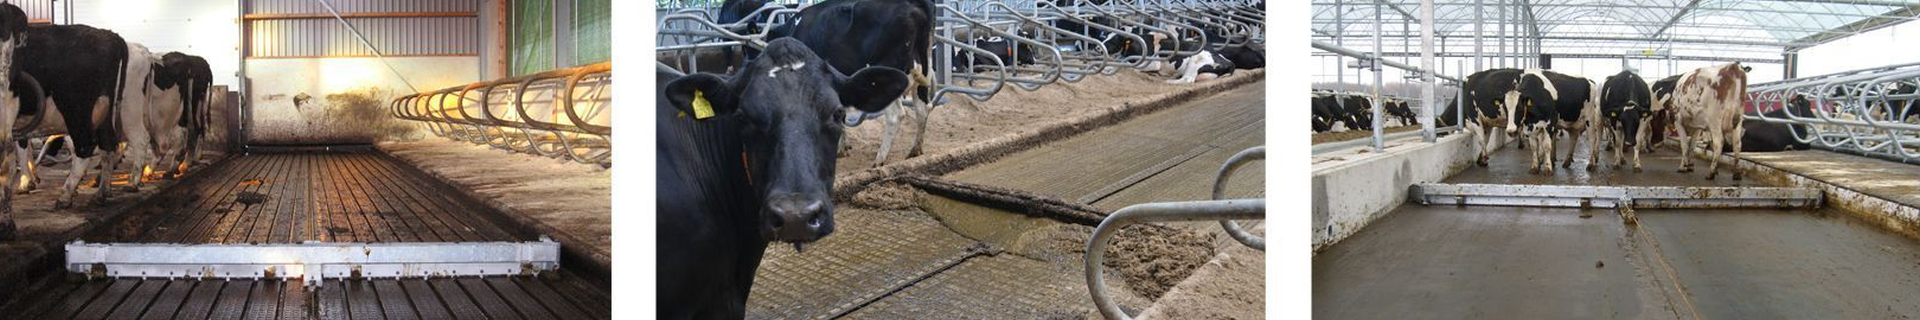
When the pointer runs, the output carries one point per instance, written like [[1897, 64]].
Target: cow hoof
[[1710, 176], [1584, 214], [129, 188], [1685, 170], [1636, 169], [62, 204], [1535, 170], [1482, 162], [1736, 176], [1590, 167], [98, 201]]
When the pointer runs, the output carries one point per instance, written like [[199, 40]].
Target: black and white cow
[[176, 118], [1206, 65], [1357, 112], [1326, 111], [1486, 105], [1658, 126], [83, 71], [851, 34], [1709, 104], [1625, 100], [13, 28], [1545, 103], [1400, 109], [747, 159]]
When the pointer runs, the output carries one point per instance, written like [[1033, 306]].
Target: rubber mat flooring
[[1510, 262], [960, 261], [360, 196]]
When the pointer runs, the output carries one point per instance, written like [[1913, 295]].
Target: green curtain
[[531, 23], [592, 31]]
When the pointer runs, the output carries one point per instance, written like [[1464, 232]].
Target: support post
[[1426, 62]]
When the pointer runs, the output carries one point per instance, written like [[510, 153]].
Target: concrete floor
[[1500, 262], [949, 259]]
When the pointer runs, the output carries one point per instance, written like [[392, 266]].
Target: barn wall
[[197, 27], [311, 80], [341, 100]]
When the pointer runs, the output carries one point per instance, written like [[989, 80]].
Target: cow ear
[[701, 96], [872, 88]]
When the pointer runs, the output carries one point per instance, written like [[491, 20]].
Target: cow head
[[789, 105]]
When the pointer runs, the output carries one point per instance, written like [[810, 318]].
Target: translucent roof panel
[[1734, 28]]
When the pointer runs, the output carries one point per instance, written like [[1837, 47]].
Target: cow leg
[[1738, 132], [1486, 145], [1715, 141], [924, 114], [108, 161], [891, 120], [75, 171], [1686, 151], [23, 177]]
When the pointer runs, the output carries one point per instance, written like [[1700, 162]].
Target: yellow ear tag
[[701, 108]]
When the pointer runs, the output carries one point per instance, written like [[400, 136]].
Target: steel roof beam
[[1676, 18], [1609, 56], [1856, 27]]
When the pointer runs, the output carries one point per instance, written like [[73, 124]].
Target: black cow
[[1010, 52], [1624, 100], [1544, 103], [81, 68], [851, 34], [1486, 105], [748, 159], [1245, 57], [1763, 136]]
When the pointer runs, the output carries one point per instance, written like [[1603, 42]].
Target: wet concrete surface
[[943, 258], [1510, 262]]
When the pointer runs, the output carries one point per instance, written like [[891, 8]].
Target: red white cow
[[1707, 103]]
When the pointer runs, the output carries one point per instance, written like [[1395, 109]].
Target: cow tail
[[111, 141]]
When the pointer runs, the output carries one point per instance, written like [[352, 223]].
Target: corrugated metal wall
[[304, 28], [346, 6]]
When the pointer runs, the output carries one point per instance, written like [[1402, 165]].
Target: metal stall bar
[[564, 113], [312, 261], [1871, 112], [1379, 137]]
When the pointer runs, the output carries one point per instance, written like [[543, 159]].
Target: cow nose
[[796, 218]]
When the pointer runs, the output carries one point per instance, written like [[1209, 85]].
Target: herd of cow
[[747, 159], [1623, 113], [104, 99]]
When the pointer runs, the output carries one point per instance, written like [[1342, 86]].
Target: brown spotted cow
[[1708, 104]]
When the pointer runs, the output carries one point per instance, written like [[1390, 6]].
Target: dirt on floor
[[1231, 286], [566, 196], [963, 121], [1325, 137]]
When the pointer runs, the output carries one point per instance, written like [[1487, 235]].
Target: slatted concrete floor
[[1506, 262], [355, 196], [903, 264]]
